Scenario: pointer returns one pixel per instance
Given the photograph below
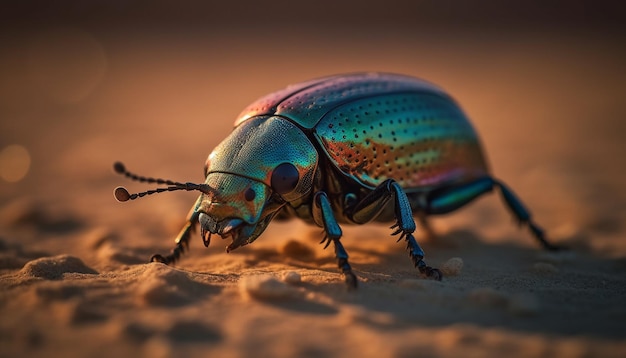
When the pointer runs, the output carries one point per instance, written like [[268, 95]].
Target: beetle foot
[[348, 276], [555, 248], [431, 273], [538, 233], [171, 258], [417, 256]]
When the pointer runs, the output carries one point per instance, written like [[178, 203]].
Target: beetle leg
[[448, 199], [182, 240], [523, 215], [324, 217], [406, 227], [371, 205], [368, 208]]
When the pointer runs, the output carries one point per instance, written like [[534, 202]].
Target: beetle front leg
[[182, 240], [324, 217], [368, 208]]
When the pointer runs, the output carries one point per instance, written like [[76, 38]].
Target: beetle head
[[264, 164]]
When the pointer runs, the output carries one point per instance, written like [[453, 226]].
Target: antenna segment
[[121, 194]]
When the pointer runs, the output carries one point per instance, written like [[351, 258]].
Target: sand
[[73, 274]]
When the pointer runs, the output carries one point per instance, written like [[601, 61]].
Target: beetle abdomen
[[419, 139]]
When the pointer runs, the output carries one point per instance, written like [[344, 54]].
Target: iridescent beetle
[[341, 149]]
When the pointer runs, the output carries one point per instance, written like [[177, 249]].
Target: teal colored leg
[[448, 199], [445, 200], [324, 217], [368, 208], [524, 216]]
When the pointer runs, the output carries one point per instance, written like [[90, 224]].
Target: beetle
[[344, 149]]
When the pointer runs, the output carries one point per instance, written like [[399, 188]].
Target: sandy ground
[[73, 277]]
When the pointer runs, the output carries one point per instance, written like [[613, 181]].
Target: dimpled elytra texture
[[268, 103], [416, 138], [307, 102]]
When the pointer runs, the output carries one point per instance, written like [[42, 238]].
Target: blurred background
[[158, 84]]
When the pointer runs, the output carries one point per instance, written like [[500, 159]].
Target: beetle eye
[[249, 194], [285, 178]]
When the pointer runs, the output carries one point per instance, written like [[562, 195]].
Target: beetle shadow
[[502, 285], [302, 304], [507, 285]]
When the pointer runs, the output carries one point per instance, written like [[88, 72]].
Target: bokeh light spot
[[14, 163]]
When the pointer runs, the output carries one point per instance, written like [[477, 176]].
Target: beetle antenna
[[121, 194]]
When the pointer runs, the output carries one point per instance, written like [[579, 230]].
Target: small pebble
[[292, 277], [452, 267]]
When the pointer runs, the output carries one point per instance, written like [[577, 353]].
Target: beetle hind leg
[[524, 217]]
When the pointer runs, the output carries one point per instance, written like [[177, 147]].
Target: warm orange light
[[14, 163]]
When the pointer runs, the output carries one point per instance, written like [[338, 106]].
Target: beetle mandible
[[341, 149]]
